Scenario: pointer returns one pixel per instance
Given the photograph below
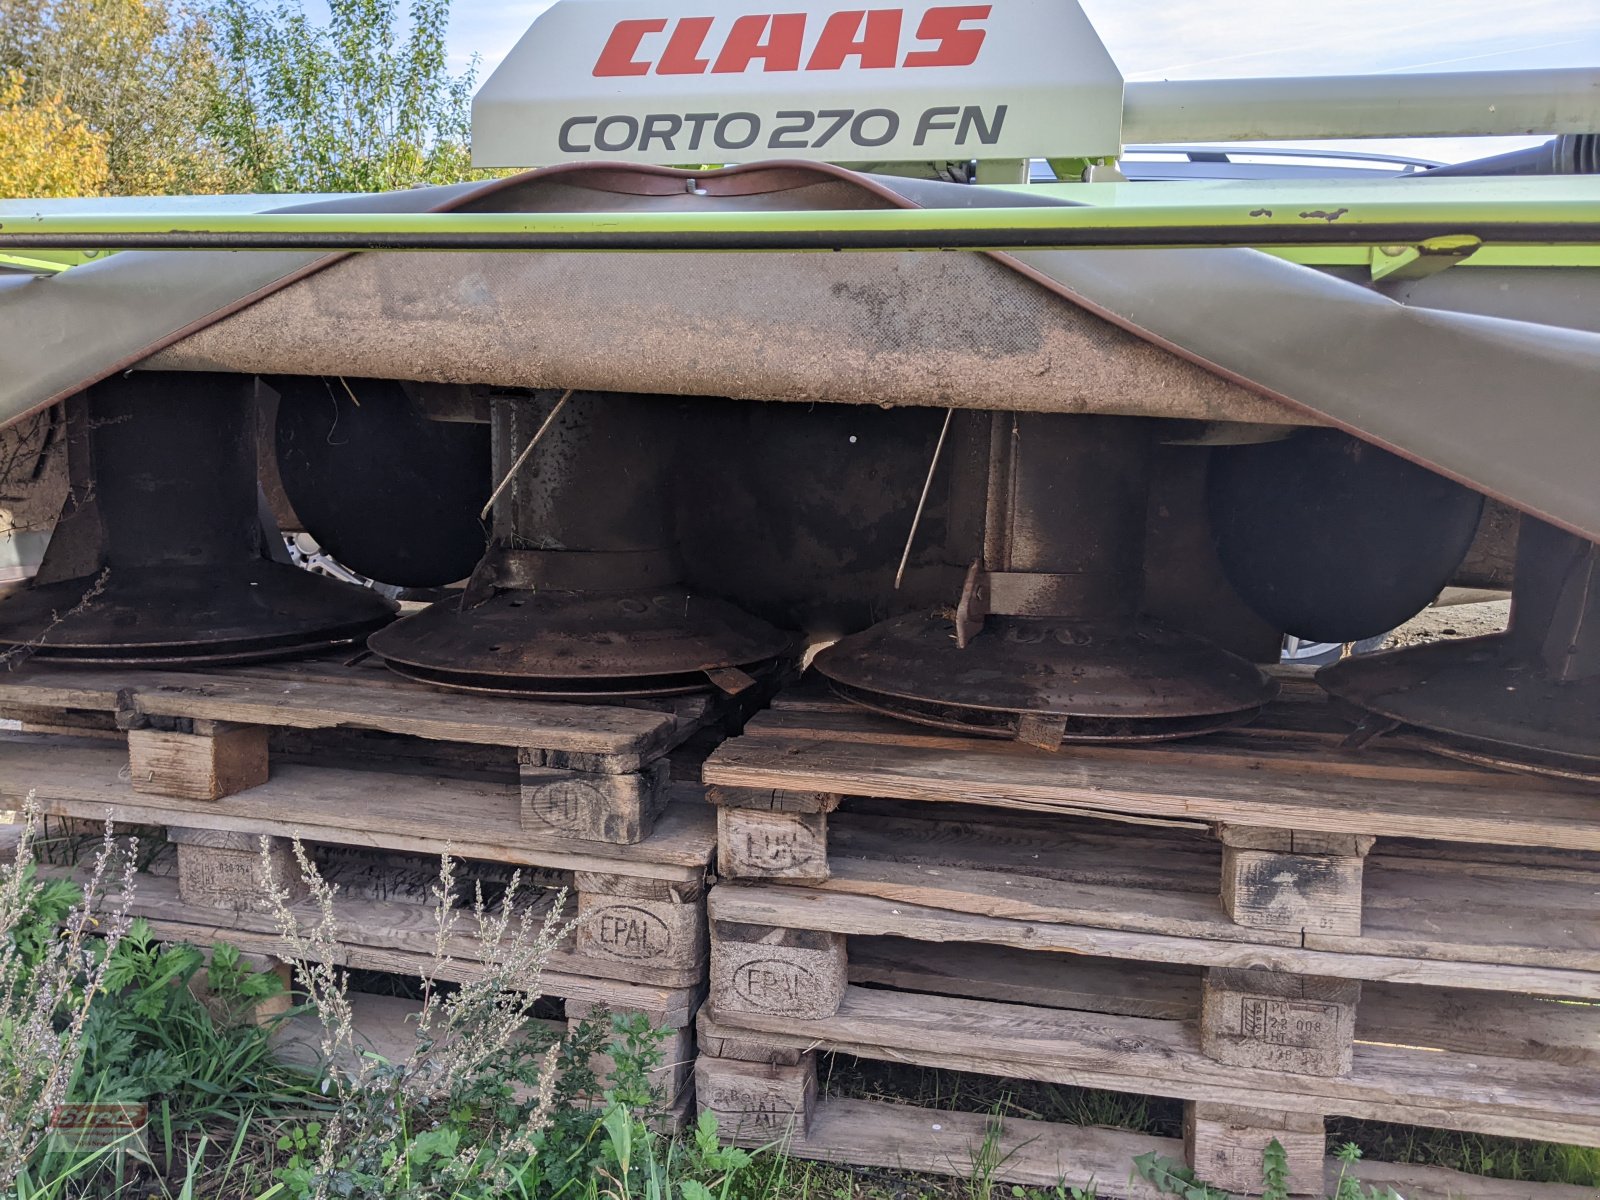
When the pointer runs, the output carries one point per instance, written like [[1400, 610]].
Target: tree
[[45, 148], [353, 105], [141, 74]]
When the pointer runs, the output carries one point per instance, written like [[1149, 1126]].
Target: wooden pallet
[[1171, 853], [579, 797], [590, 772], [1486, 1062], [1261, 918]]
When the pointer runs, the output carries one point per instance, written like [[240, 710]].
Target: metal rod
[[1551, 211], [1433, 104], [526, 451], [916, 517]]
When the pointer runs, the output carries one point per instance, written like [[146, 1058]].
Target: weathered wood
[[427, 814], [1293, 841], [399, 937], [652, 923], [1541, 1100], [1025, 977], [592, 806], [198, 766], [1312, 787], [1278, 1022], [1481, 1023], [773, 800], [1019, 896], [1293, 892], [628, 736], [761, 969], [1045, 1155], [752, 844], [1225, 1144], [749, 1049], [216, 839], [238, 878], [771, 1100], [838, 912]]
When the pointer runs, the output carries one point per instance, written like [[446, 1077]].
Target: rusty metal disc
[[578, 645], [190, 615], [1108, 680], [1480, 694]]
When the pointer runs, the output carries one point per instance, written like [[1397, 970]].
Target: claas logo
[[945, 37]]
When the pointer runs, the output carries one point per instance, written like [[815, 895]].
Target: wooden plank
[[1042, 1154], [398, 938], [1132, 1054], [470, 818], [1494, 807], [1501, 1024], [1301, 739], [1024, 977], [768, 800], [1072, 849], [1493, 1023], [612, 730], [1096, 874], [1020, 897], [900, 1137], [1552, 924], [838, 912]]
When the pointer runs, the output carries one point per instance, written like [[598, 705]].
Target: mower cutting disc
[[1107, 681], [565, 645]]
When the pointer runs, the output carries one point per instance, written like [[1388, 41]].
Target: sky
[[1212, 39]]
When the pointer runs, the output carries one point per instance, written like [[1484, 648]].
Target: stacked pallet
[[1264, 924], [580, 798]]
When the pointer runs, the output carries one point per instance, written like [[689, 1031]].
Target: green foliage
[[1172, 1177], [48, 905], [468, 1147], [1061, 1191], [355, 105], [140, 75], [1069, 170], [151, 1038], [1274, 1172]]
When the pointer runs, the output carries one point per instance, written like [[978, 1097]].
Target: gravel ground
[[1454, 621]]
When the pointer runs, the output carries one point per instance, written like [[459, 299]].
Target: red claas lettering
[[949, 36]]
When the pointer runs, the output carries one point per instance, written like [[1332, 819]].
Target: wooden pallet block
[[586, 771]]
